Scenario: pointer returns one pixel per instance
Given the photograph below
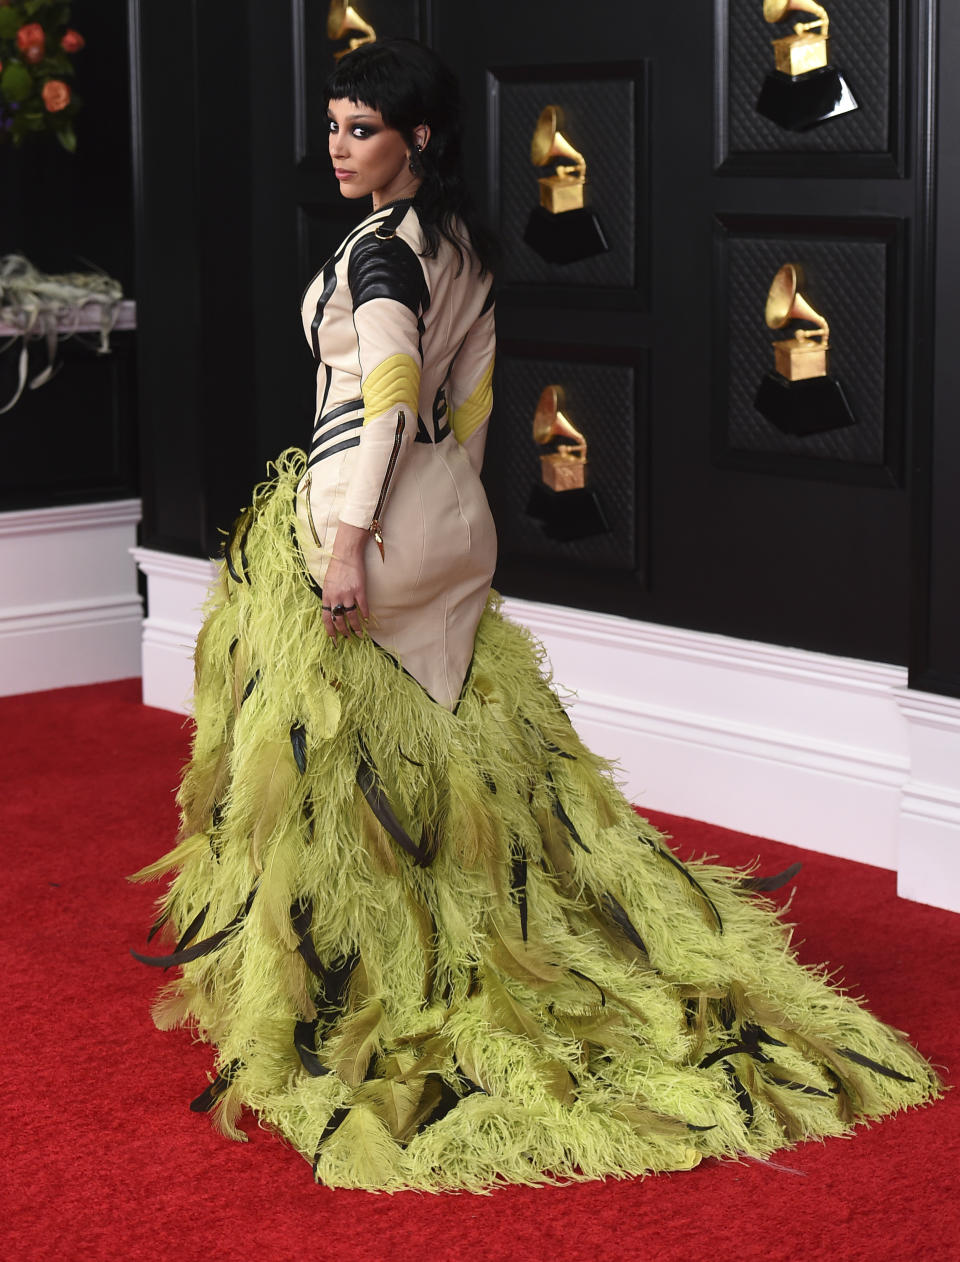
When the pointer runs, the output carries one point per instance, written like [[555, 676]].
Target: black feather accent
[[372, 790], [583, 977], [448, 1100], [754, 1034], [245, 565], [722, 1052], [742, 1094], [331, 998], [518, 882], [250, 686], [565, 819], [337, 1117], [694, 883], [199, 949], [233, 646], [192, 929], [216, 818], [489, 781], [301, 915], [230, 566], [858, 1058], [618, 915], [305, 1041], [298, 740], [803, 1087], [692, 1127], [413, 762], [751, 1036], [207, 1099], [473, 982], [238, 537], [764, 884], [157, 925]]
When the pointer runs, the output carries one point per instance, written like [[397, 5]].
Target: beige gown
[[405, 350]]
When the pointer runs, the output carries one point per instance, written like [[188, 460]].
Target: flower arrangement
[[36, 45]]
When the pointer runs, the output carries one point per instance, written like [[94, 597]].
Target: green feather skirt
[[440, 950]]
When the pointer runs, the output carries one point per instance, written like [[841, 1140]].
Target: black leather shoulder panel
[[386, 268]]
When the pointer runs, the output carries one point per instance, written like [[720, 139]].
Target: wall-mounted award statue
[[804, 90], [561, 501], [800, 397], [341, 20], [561, 229]]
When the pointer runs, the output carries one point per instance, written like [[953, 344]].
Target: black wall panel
[[604, 399], [616, 164], [74, 439], [853, 278], [865, 45]]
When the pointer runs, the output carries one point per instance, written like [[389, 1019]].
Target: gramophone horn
[[777, 10], [549, 143], [785, 302], [549, 422], [343, 17]]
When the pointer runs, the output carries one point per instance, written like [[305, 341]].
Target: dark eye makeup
[[362, 131]]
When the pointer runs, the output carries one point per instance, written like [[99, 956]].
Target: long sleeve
[[471, 384], [389, 295]]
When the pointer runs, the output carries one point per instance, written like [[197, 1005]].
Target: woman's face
[[369, 158]]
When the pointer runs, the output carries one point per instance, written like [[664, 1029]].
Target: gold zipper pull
[[374, 526], [375, 530], [306, 491]]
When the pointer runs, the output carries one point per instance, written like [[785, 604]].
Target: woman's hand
[[345, 583]]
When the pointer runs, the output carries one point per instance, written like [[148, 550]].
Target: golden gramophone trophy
[[561, 501], [804, 90], [341, 20], [561, 229], [800, 397]]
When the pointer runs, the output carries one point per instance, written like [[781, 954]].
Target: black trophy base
[[567, 515], [803, 407], [800, 102], [565, 238]]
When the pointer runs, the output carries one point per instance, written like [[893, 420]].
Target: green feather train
[[439, 950]]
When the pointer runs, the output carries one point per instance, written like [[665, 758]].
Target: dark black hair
[[409, 85]]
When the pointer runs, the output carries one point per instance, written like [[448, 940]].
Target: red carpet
[[102, 1159]]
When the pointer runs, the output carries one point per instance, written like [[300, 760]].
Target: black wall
[[75, 439], [843, 542]]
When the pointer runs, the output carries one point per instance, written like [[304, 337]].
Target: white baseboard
[[177, 586], [69, 608], [830, 753]]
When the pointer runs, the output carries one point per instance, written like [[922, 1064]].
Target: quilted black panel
[[860, 38], [846, 282], [598, 120], [601, 402]]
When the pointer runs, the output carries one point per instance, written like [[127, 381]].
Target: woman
[[431, 941]]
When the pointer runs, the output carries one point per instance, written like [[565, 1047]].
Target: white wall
[[69, 608], [829, 753]]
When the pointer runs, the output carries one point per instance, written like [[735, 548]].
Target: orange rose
[[31, 36], [56, 95], [72, 41], [33, 54]]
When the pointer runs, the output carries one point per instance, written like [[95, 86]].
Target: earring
[[416, 166]]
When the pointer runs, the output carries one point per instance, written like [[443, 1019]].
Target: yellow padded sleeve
[[475, 409], [395, 380]]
